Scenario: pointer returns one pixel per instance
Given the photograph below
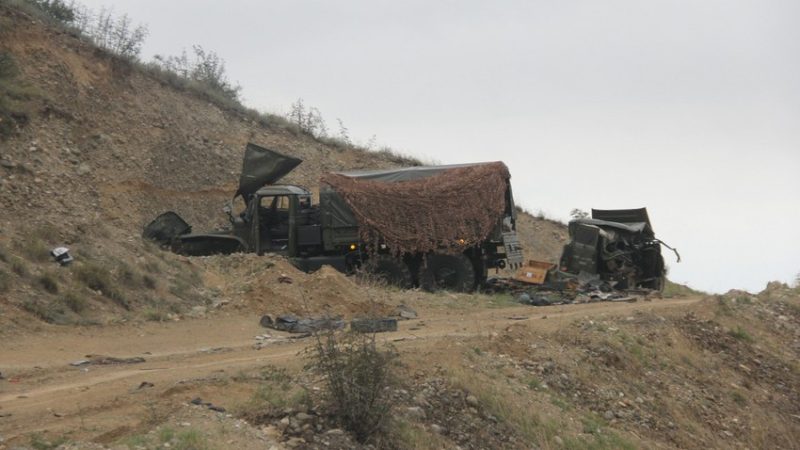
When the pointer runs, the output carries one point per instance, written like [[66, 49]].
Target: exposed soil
[[43, 392], [133, 347]]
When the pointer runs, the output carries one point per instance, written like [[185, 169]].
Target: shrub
[[149, 282], [98, 278], [156, 315], [205, 69], [48, 283], [5, 281], [14, 97], [358, 380], [57, 9], [74, 302], [47, 311], [19, 267], [741, 334]]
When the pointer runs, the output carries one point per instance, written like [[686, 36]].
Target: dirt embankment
[[107, 148], [714, 372]]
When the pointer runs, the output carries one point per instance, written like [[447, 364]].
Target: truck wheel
[[393, 270], [450, 272]]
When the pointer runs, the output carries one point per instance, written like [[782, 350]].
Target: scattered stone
[[84, 169], [415, 412], [335, 432], [271, 431], [303, 417], [558, 440], [295, 442], [145, 384], [472, 401], [404, 312], [438, 429], [198, 311], [80, 362]]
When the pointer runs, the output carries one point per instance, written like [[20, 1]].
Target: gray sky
[[691, 108]]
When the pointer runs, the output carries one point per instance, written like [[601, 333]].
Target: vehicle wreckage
[[617, 246], [438, 227], [612, 256]]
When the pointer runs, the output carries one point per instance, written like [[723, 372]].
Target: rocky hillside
[[106, 146]]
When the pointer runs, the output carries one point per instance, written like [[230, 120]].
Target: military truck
[[618, 246], [438, 227]]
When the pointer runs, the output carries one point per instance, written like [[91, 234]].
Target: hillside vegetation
[[97, 144], [93, 145]]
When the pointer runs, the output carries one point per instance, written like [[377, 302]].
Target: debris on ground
[[61, 255], [372, 325], [199, 401], [285, 279], [404, 312], [106, 360], [292, 324], [559, 288]]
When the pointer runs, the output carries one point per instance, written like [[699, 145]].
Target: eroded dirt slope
[[107, 148]]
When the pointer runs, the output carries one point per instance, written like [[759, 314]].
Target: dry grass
[[98, 278]]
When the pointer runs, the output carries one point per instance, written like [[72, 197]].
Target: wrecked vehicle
[[618, 246], [438, 227]]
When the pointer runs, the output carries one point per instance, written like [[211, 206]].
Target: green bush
[[19, 267], [48, 282], [15, 95], [5, 281], [358, 381], [47, 311], [57, 9], [741, 334], [98, 278], [74, 301]]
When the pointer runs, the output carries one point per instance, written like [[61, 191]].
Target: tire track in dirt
[[56, 397]]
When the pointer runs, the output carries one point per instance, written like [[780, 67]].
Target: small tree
[[344, 132], [57, 9], [308, 119], [205, 68], [209, 69]]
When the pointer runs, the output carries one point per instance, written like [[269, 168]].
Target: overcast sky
[[690, 108]]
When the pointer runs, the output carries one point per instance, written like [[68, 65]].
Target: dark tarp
[[166, 227], [263, 166]]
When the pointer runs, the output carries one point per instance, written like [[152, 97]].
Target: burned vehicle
[[438, 227], [618, 246]]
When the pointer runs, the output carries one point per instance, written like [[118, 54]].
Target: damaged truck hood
[[263, 166], [633, 218]]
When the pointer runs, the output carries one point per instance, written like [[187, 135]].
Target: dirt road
[[43, 392]]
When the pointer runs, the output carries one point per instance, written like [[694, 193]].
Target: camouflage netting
[[448, 212]]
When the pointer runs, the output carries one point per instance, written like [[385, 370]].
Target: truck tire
[[449, 272], [393, 270]]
